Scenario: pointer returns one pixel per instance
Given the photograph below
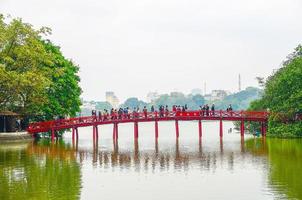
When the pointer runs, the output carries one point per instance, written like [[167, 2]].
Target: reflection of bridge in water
[[157, 159], [135, 118]]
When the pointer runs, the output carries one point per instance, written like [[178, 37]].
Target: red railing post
[[263, 129], [116, 131], [242, 128], [135, 130], [200, 128], [52, 135]]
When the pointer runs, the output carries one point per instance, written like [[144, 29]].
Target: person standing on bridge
[[203, 110], [230, 109], [174, 108], [200, 111], [145, 111], [127, 112], [112, 113], [213, 109], [167, 111], [161, 111], [120, 113], [207, 110], [105, 117], [152, 108], [134, 112], [100, 115]]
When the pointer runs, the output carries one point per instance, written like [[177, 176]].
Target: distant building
[[152, 96], [112, 99], [216, 95], [176, 94]]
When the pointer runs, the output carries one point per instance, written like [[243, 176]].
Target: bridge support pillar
[[95, 133], [135, 130], [200, 128], [93, 130], [220, 128], [77, 134], [263, 129], [176, 129], [116, 131], [242, 128], [73, 133], [156, 129], [52, 135]]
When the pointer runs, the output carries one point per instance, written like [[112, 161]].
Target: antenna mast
[[239, 83]]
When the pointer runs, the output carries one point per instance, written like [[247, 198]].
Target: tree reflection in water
[[39, 171], [285, 164]]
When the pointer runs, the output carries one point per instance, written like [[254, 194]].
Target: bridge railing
[[165, 115], [224, 114]]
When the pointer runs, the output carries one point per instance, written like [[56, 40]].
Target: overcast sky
[[132, 47]]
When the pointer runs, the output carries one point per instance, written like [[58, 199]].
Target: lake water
[[253, 168]]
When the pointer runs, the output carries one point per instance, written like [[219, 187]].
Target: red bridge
[[95, 121]]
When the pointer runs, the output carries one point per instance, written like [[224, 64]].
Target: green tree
[[283, 97], [134, 102], [198, 100], [101, 105], [239, 100], [64, 92], [23, 77], [35, 78]]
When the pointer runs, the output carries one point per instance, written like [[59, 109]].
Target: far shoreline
[[15, 137]]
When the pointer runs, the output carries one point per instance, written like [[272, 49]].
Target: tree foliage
[[283, 97], [35, 78], [240, 100], [133, 102], [64, 92]]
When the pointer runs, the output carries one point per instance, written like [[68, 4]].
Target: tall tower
[[205, 88], [239, 83]]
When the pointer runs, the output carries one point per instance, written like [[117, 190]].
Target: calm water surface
[[231, 168]]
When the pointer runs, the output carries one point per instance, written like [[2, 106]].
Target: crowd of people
[[163, 111]]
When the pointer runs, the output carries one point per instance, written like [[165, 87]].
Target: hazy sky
[[135, 46]]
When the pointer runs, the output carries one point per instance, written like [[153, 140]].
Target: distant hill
[[240, 100]]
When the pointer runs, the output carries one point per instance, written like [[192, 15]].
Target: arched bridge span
[[135, 118]]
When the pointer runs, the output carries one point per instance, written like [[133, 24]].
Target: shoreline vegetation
[[15, 137]]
